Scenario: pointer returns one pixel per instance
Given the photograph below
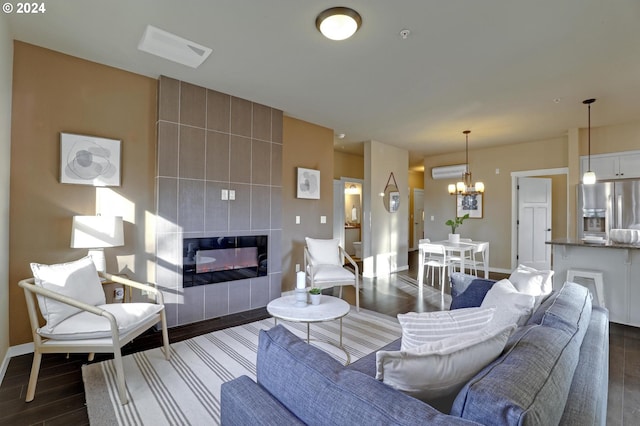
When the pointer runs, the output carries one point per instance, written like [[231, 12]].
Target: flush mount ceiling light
[[338, 23], [172, 47]]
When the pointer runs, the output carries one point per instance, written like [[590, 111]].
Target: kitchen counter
[[580, 243], [620, 267]]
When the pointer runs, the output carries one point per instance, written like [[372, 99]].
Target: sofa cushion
[[530, 382], [436, 371], [512, 307], [78, 280], [531, 281], [419, 328], [318, 390], [467, 291]]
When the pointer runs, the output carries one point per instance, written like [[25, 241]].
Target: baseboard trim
[[26, 348]]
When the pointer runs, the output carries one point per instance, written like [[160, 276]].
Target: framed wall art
[[89, 160], [308, 184], [472, 204]]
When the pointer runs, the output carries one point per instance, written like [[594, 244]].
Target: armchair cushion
[[78, 280], [86, 325], [331, 273], [324, 252]]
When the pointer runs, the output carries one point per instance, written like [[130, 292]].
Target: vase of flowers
[[315, 294]]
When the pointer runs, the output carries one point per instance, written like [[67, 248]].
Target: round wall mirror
[[391, 198]]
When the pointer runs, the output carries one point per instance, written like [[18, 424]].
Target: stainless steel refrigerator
[[608, 205]]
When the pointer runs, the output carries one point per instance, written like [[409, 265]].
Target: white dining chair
[[434, 256], [476, 258]]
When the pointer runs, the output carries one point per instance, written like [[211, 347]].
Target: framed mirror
[[391, 195]]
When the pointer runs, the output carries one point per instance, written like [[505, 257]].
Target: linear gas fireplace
[[218, 259]]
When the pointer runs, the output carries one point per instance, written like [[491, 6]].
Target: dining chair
[[434, 256], [476, 258]]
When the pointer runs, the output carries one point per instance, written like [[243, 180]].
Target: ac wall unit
[[448, 172]]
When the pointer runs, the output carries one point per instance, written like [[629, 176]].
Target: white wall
[[6, 67], [386, 245]]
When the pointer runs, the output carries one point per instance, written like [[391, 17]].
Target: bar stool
[[585, 275]]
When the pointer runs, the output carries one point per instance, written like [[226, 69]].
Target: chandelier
[[466, 186]]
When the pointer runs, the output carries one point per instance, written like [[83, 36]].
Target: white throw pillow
[[435, 372], [324, 252], [425, 327], [512, 307], [78, 280], [531, 281]]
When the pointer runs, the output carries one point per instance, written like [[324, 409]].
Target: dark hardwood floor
[[60, 398]]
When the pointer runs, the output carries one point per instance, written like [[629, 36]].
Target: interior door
[[534, 222], [418, 217]]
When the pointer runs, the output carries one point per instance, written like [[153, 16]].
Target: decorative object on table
[[308, 183], [589, 177], [324, 266], [315, 294], [89, 160], [466, 185], [391, 195], [96, 233], [625, 236], [301, 291], [471, 204], [454, 223]]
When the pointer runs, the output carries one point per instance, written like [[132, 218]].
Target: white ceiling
[[492, 66]]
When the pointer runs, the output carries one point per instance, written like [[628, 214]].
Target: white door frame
[[413, 218], [514, 203]]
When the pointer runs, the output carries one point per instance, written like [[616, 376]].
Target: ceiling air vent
[[448, 172], [172, 47]]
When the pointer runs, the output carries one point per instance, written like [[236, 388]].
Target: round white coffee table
[[330, 308]]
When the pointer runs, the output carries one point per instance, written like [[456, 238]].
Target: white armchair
[[70, 298], [324, 267]]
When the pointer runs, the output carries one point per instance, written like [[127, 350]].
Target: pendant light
[[589, 177], [466, 187]]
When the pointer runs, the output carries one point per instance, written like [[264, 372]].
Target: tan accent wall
[[348, 165], [310, 146], [54, 93], [6, 60], [495, 226]]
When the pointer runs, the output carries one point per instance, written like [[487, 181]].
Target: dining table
[[462, 248]]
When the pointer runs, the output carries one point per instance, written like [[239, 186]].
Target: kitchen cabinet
[[620, 165]]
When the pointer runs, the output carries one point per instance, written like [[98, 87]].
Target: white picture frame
[[308, 184], [472, 204], [89, 160]]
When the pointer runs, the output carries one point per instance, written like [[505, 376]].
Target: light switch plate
[[297, 220], [323, 219], [224, 194], [232, 194]]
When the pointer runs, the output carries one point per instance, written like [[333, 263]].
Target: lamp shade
[[97, 231]]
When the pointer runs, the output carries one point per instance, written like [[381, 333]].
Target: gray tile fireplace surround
[[208, 142]]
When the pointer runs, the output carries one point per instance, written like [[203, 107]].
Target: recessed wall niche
[[219, 173]]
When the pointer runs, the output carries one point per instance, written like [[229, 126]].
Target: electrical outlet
[[118, 293]]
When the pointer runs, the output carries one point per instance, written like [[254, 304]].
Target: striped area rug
[[186, 389]]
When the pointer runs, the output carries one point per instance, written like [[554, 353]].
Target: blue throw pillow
[[468, 291]]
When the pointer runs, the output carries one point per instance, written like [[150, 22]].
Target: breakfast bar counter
[[619, 265]]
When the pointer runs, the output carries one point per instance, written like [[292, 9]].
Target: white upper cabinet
[[621, 165]]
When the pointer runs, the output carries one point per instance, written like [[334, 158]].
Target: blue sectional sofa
[[553, 370]]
